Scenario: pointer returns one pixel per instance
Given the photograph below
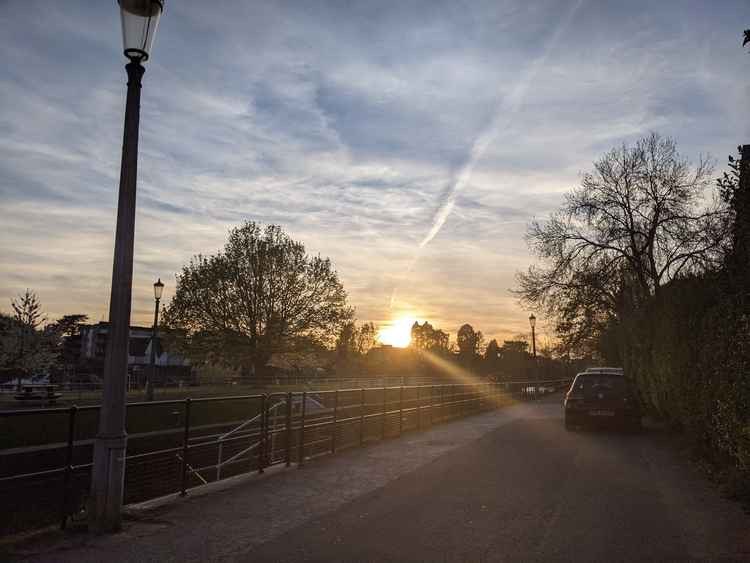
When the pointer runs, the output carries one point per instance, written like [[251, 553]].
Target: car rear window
[[589, 381]]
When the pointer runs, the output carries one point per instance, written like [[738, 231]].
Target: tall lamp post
[[158, 288], [139, 21], [532, 322]]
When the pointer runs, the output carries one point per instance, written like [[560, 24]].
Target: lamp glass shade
[[532, 321], [158, 288], [139, 21]]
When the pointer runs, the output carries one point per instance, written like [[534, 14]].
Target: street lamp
[[158, 288], [139, 21], [532, 322]]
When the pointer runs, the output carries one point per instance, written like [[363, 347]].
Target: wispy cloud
[[374, 132], [507, 109]]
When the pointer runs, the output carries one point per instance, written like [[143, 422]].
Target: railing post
[[362, 416], [263, 430], [219, 460], [288, 454], [441, 413], [301, 460], [400, 410], [431, 404], [185, 439], [335, 420], [68, 466], [382, 425], [419, 408]]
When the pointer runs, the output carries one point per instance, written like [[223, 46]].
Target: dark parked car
[[602, 396]]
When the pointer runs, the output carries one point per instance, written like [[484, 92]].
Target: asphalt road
[[531, 491], [508, 485]]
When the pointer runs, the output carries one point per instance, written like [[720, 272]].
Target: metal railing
[[173, 446]]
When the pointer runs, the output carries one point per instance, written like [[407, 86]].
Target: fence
[[89, 393], [176, 445]]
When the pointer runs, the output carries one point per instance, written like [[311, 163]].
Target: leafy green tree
[[68, 325], [492, 352], [468, 341], [491, 363], [352, 346], [8, 342], [514, 358], [426, 337], [26, 348], [255, 298], [366, 337], [62, 335], [346, 344]]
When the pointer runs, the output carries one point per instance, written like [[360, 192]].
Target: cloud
[[363, 128]]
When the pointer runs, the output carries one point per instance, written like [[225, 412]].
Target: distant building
[[93, 347]]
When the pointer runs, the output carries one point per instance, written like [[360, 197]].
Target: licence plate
[[602, 413]]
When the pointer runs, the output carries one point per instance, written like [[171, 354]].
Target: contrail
[[507, 108]]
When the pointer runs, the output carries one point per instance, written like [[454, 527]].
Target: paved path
[[510, 485]]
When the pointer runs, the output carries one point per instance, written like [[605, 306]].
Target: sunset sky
[[411, 142]]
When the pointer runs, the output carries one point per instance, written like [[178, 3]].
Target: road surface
[[509, 485]]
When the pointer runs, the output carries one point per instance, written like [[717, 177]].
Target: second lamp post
[[158, 288], [532, 322]]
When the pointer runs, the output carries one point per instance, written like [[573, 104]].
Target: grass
[[141, 417], [85, 398]]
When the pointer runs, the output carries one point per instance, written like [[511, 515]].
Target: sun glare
[[398, 333]]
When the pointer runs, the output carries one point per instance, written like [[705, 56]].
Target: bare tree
[[637, 221]]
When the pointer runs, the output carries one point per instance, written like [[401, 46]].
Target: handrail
[[256, 417], [262, 436]]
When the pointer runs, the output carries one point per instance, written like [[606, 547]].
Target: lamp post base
[[107, 478]]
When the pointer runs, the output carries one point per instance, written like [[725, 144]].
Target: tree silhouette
[[636, 222], [492, 352], [25, 347], [256, 297], [353, 340], [468, 341], [426, 337]]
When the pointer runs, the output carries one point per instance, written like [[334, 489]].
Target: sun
[[398, 333]]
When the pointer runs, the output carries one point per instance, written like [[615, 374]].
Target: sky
[[410, 142]]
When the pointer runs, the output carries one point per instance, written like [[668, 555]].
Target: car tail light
[[573, 401]]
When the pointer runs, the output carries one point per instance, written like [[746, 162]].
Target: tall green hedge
[[689, 351]]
